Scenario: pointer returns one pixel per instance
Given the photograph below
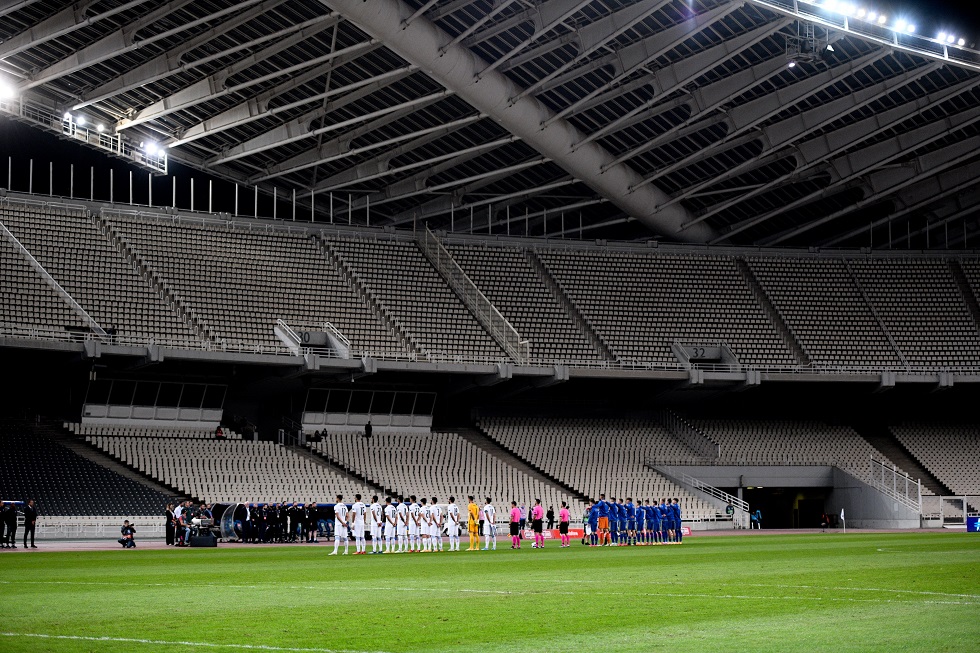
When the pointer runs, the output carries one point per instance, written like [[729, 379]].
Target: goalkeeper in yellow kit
[[473, 525]]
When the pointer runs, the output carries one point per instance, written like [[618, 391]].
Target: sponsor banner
[[973, 524]]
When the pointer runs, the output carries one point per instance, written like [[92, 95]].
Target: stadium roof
[[763, 122]]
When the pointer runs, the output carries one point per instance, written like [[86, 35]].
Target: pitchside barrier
[[949, 512]]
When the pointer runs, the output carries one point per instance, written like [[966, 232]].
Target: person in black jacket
[[30, 522], [10, 517], [3, 525], [168, 524]]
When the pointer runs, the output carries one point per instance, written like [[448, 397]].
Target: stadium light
[[67, 115], [152, 149], [882, 19], [7, 91], [792, 64], [80, 121], [900, 25], [910, 28], [100, 128], [961, 42]]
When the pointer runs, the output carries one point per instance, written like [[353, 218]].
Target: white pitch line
[[458, 590], [160, 642]]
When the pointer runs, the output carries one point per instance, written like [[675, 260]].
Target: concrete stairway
[[884, 441]]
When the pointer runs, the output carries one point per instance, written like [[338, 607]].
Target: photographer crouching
[[128, 539]]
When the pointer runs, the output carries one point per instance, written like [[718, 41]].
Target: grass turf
[[853, 592]]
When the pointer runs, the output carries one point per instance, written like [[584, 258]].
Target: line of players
[[410, 525], [627, 524]]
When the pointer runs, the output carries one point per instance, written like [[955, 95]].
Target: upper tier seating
[[823, 307], [950, 452], [238, 283], [73, 251], [921, 307], [26, 300], [600, 456], [640, 303], [402, 279], [65, 484], [775, 442], [238, 471], [440, 465], [510, 282]]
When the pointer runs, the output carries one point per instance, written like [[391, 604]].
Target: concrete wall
[[728, 476], [866, 507]]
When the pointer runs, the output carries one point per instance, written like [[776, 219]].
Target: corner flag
[[842, 520]]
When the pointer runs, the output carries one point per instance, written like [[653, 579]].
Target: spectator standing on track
[[3, 525], [168, 524], [10, 517], [30, 522], [550, 517], [523, 522]]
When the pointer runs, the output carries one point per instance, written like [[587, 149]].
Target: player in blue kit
[[630, 522], [666, 522], [641, 523], [676, 509], [621, 525], [653, 522], [603, 507], [594, 524], [613, 522]]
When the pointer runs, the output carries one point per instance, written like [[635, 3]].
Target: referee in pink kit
[[564, 517], [537, 524], [515, 525]]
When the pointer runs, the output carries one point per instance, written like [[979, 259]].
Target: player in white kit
[[390, 516], [376, 514], [426, 525], [435, 531], [489, 530], [414, 522], [358, 512], [452, 524], [339, 525], [402, 517]]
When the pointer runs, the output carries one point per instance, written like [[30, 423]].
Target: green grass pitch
[[817, 592]]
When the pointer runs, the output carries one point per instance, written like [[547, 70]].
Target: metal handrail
[[486, 313]]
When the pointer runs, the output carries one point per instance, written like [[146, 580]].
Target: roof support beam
[[301, 128], [380, 166], [781, 135], [856, 164], [260, 107], [593, 36], [812, 153], [676, 76], [634, 57], [64, 22], [545, 17], [890, 180], [457, 69], [746, 116], [216, 85], [124, 40], [17, 5], [341, 147], [920, 197], [173, 61]]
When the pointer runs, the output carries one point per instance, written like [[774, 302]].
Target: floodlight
[[950, 38], [830, 48], [862, 12], [80, 120], [67, 115], [6, 91], [900, 25], [792, 64], [151, 149], [100, 128], [961, 42], [942, 36], [910, 29], [872, 15], [882, 19]]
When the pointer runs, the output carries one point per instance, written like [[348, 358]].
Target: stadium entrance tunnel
[[788, 507]]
